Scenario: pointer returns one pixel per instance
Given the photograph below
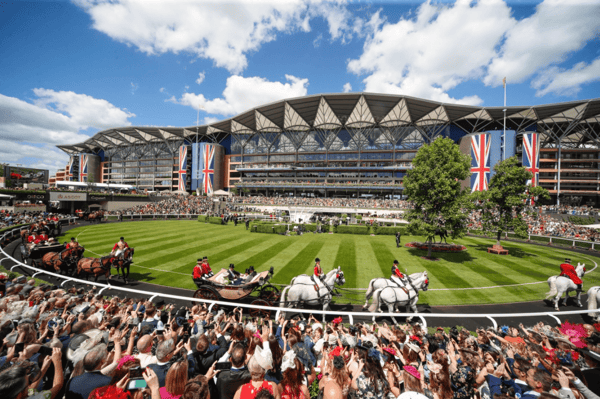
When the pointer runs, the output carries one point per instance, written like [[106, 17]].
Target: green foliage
[[582, 220], [433, 185], [359, 217], [388, 231], [202, 218], [215, 220], [8, 191], [344, 216], [502, 204], [313, 389], [363, 230], [269, 228]]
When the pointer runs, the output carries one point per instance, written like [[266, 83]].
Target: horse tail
[[553, 289], [592, 300], [370, 290], [283, 298], [375, 304]]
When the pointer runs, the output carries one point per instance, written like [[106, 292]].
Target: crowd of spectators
[[324, 165], [76, 344], [325, 202], [301, 182], [12, 218]]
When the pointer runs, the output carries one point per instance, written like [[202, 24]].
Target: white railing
[[350, 315], [556, 238], [189, 216]]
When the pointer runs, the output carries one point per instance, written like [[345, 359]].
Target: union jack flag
[[208, 168], [531, 157], [83, 167], [182, 167], [480, 162], [70, 167]]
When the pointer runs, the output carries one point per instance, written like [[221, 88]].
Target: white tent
[[5, 197], [222, 192]]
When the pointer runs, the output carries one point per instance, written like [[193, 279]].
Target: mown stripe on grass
[[133, 238], [169, 246], [215, 259], [384, 257], [346, 257], [175, 255], [260, 259], [299, 263]]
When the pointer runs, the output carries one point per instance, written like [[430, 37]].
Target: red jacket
[[568, 270], [398, 273], [206, 268], [43, 237], [117, 244], [31, 238], [198, 272], [318, 270]]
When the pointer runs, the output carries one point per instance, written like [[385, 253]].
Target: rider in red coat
[[198, 273], [397, 276], [568, 270]]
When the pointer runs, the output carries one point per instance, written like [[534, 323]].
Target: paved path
[[469, 323]]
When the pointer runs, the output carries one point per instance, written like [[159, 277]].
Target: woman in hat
[[258, 365], [369, 380], [292, 385]]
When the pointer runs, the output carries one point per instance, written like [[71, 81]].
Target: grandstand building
[[347, 144]]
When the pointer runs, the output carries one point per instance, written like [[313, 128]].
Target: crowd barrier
[[572, 242], [349, 315]]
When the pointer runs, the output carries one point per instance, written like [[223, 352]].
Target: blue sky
[[71, 69]]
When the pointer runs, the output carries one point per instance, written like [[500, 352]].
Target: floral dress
[[463, 383], [366, 389]]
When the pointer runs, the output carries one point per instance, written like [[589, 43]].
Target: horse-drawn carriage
[[215, 288], [95, 216]]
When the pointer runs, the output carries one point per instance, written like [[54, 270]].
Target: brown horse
[[96, 267], [123, 262], [64, 260], [95, 216]]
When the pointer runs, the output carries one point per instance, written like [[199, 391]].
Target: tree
[[433, 185], [507, 195]]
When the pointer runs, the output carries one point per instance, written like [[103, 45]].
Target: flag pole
[[504, 124]]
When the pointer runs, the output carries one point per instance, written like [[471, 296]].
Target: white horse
[[563, 285], [302, 290], [393, 296], [374, 285], [593, 301]]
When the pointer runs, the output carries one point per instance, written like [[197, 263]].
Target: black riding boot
[[579, 287]]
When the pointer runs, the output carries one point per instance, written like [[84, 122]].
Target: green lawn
[[166, 251]]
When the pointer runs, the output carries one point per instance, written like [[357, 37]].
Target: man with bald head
[[81, 386], [144, 347]]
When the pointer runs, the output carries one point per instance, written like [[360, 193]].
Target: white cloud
[[162, 90], [347, 88], [29, 132], [134, 87], [242, 93], [441, 46], [317, 41], [157, 27], [210, 119], [566, 82], [435, 51], [548, 37], [85, 111], [201, 77]]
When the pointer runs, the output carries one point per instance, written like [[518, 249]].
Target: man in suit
[[207, 354], [81, 386], [229, 381], [164, 353], [397, 239]]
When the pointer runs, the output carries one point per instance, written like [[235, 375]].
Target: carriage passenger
[[233, 275], [397, 276], [568, 270], [42, 237]]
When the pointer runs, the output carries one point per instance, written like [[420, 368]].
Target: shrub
[[363, 230], [215, 220], [388, 231], [202, 218], [358, 217], [582, 220]]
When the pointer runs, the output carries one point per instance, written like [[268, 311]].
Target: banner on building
[[60, 196], [531, 157], [70, 168], [207, 167], [182, 168], [480, 162], [83, 167]]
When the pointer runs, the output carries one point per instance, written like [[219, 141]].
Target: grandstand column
[[558, 175]]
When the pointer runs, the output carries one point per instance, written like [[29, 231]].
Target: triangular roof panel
[[361, 115], [237, 127], [398, 116], [326, 118], [434, 117], [293, 120], [264, 124], [482, 114]]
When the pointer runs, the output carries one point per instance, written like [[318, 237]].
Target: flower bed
[[437, 247]]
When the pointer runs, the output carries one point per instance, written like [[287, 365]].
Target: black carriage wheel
[[260, 312], [207, 293], [269, 293]]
